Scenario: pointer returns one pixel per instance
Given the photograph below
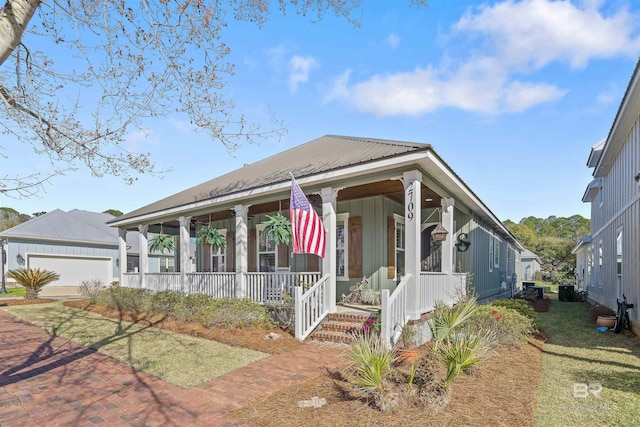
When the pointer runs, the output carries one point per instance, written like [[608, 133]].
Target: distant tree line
[[552, 240]]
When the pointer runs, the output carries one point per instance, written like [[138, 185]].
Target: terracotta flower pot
[[407, 355], [608, 321]]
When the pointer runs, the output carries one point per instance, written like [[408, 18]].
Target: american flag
[[308, 231]]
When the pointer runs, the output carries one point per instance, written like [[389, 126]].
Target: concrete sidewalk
[[49, 381]]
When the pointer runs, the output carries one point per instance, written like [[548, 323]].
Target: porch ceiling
[[392, 189]]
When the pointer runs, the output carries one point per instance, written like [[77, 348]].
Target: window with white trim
[[600, 263], [491, 248], [496, 253], [219, 257], [342, 246], [400, 246], [590, 265], [619, 262], [267, 251]]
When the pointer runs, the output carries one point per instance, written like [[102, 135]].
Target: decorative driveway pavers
[[50, 381]]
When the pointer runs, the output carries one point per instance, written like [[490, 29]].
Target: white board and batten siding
[[616, 208], [73, 262]]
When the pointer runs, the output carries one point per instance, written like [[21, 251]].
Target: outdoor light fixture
[[462, 243], [637, 177], [439, 234], [20, 259]]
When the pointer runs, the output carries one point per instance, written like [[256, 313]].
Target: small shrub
[[123, 299], [236, 313], [520, 305], [447, 319], [373, 361], [509, 326], [284, 312], [165, 302], [193, 307], [465, 351], [32, 279], [90, 288]]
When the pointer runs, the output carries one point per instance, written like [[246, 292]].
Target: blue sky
[[511, 95]]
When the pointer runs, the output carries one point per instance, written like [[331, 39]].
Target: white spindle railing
[[159, 282], [270, 288], [218, 285], [130, 280], [310, 307], [393, 312], [440, 287]]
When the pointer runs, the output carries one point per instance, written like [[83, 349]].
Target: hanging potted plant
[[161, 242], [278, 228], [212, 237]]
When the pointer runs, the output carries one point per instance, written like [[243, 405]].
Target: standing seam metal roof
[[328, 153]]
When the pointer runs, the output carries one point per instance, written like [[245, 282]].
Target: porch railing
[[437, 287], [310, 308], [265, 288], [393, 312], [218, 285], [163, 281], [273, 288]]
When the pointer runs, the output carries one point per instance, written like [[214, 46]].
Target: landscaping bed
[[252, 337]]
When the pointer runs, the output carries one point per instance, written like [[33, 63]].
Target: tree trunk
[[14, 17]]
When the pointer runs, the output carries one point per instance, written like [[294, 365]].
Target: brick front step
[[336, 326]]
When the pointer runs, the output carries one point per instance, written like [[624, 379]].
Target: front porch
[[307, 292]]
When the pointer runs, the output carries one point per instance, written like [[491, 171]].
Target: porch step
[[334, 328]]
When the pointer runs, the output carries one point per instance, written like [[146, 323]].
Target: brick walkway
[[49, 381]]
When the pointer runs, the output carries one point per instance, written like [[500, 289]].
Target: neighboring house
[[530, 264], [77, 245], [610, 256], [380, 200], [584, 263]]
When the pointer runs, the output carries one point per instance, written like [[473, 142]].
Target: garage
[[73, 269]]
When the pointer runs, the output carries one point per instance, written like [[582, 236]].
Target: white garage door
[[73, 270]]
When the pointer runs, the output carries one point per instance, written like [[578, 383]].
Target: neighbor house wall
[[617, 207], [23, 247]]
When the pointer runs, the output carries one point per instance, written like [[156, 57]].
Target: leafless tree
[[77, 76]]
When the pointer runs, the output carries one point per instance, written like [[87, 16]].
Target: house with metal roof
[[610, 254], [78, 245], [530, 264], [380, 202]]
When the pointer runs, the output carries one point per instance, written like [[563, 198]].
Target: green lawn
[[180, 359], [590, 378], [14, 292]]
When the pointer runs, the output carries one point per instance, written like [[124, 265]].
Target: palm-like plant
[[32, 279], [278, 228], [161, 242], [212, 237]]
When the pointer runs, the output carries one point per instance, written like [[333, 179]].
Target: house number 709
[[410, 205]]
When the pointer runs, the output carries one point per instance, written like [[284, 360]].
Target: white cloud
[[299, 69], [393, 40], [515, 39]]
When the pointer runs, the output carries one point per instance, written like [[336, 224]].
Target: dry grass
[[179, 359], [252, 338]]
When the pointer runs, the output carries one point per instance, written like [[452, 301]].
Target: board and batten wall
[[617, 207]]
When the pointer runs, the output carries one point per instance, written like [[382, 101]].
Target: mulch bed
[[252, 338], [13, 302], [500, 393]]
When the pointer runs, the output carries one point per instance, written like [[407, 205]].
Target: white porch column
[[242, 249], [412, 231], [448, 244], [122, 254], [329, 260], [185, 251], [143, 262]]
